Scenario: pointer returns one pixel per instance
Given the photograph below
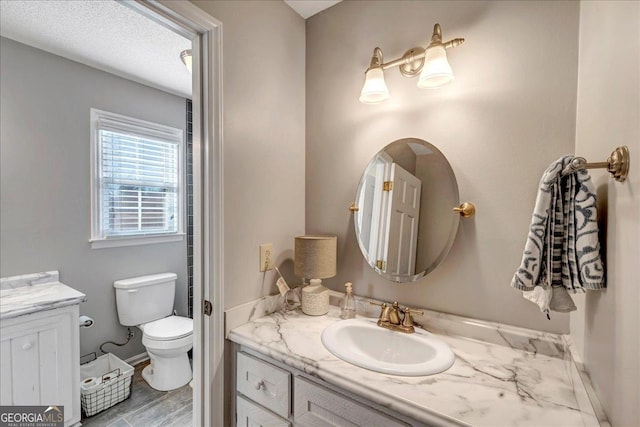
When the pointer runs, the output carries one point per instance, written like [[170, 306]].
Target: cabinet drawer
[[317, 406], [265, 384], [248, 414]]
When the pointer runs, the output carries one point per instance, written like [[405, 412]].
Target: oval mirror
[[405, 224]]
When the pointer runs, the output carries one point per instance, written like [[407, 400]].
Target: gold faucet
[[390, 317]]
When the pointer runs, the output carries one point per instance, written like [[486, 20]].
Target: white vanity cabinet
[[266, 385], [316, 405], [39, 360], [274, 396], [250, 414]]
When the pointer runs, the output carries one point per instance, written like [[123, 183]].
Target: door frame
[[208, 195]]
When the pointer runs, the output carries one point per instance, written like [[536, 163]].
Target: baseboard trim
[[137, 359]]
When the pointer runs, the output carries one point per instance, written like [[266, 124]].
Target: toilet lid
[[168, 328]]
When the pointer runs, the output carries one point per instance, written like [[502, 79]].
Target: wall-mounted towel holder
[[617, 164]]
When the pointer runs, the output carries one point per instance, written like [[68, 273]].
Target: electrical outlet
[[266, 254]]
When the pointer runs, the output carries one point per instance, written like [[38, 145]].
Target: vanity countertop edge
[[33, 293], [489, 384]]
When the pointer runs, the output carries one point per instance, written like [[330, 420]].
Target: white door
[[403, 216], [377, 227], [208, 244]]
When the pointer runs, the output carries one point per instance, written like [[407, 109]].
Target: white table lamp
[[315, 259]]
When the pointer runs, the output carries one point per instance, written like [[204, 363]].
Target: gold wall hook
[[466, 210], [353, 208]]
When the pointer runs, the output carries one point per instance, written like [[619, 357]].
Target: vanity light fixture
[[185, 55], [431, 63]]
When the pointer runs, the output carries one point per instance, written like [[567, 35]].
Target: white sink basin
[[365, 344]]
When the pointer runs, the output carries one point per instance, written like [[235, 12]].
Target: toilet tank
[[145, 299]]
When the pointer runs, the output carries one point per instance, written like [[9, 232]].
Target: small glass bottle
[[348, 307]]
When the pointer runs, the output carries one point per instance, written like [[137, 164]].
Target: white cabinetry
[[269, 395], [39, 360], [266, 388], [265, 384], [250, 414], [318, 406]]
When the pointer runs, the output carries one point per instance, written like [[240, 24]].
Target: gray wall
[[263, 82], [509, 113], [45, 204], [606, 325], [264, 142]]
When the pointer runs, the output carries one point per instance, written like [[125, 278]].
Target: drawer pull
[[260, 385], [26, 346]]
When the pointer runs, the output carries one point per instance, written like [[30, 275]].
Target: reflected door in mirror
[[403, 214]]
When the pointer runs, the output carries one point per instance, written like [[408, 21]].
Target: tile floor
[[147, 407]]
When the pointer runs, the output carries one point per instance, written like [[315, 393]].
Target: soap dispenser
[[348, 307]]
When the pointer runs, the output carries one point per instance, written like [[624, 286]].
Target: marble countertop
[[31, 293], [508, 382]]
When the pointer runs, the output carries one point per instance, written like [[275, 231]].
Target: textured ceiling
[[102, 34]]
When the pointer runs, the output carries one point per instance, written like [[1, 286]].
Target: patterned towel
[[562, 252]]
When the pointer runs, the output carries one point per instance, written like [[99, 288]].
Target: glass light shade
[[187, 59], [187, 62], [374, 89], [436, 71]]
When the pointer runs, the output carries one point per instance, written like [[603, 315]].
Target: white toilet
[[147, 302]]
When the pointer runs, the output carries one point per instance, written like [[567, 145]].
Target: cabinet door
[[248, 414], [316, 406], [40, 362]]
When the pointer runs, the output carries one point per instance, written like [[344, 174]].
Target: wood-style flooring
[[147, 407]]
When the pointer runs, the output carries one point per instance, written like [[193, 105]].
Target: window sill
[[134, 241]]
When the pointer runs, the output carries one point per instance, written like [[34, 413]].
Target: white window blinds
[[138, 178], [139, 185]]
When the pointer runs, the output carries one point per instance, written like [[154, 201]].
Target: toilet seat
[[155, 345], [168, 328]]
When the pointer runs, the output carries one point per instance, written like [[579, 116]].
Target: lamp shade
[[374, 89], [436, 71], [315, 256]]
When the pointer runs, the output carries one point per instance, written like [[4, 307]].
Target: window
[[137, 188]]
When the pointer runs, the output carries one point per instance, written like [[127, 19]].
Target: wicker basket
[[107, 380]]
